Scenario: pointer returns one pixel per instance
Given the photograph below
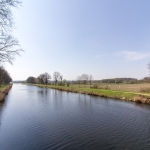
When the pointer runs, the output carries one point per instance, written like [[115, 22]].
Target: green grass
[[111, 92], [126, 87], [97, 92], [3, 87]]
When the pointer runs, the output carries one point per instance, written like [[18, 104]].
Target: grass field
[[117, 87], [127, 87]]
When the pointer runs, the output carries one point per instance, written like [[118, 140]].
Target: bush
[[95, 86], [60, 84], [68, 84], [106, 87], [146, 89]]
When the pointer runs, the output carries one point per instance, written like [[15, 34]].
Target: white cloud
[[133, 55]]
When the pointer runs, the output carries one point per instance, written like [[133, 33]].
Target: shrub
[[106, 87], [95, 86], [59, 84], [68, 84], [146, 89]]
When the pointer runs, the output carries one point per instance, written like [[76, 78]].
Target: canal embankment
[[122, 95], [4, 91]]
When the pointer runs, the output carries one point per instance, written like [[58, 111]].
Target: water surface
[[33, 118]]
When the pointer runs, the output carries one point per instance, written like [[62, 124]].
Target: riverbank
[[122, 95], [4, 91]]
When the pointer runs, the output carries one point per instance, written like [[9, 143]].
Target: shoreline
[[4, 91], [122, 95]]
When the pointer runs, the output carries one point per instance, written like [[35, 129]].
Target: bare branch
[[9, 46]]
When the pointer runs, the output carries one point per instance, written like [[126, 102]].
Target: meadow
[[136, 88]]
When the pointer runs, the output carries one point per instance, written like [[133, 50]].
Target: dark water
[[33, 118]]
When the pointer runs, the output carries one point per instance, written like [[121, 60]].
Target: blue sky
[[105, 38]]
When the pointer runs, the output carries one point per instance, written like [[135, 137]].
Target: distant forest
[[34, 80], [124, 80]]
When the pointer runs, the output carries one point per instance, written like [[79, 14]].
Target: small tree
[[64, 81], [61, 77], [41, 78], [79, 80], [90, 77], [46, 77], [9, 46], [84, 78], [56, 76], [30, 80]]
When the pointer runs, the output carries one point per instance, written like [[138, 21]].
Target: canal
[[33, 118]]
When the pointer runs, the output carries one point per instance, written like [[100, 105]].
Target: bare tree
[[84, 78], [90, 77], [9, 46], [44, 78], [41, 78], [61, 77], [56, 76], [6, 19], [79, 80]]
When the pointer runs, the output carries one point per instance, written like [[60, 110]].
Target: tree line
[[45, 78], [57, 79], [84, 79]]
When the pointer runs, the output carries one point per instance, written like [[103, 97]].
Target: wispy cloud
[[99, 56], [133, 55]]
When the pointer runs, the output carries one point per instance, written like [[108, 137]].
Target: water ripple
[[38, 118]]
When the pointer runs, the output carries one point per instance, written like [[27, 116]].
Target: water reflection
[[1, 111], [41, 118], [3, 105]]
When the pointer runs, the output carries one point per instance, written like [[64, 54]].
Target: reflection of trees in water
[[48, 96], [57, 98], [2, 106], [42, 93], [86, 99], [1, 110], [85, 102], [43, 96]]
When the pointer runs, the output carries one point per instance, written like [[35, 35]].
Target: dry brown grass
[[120, 87], [129, 87]]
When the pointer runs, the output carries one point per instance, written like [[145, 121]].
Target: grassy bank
[[4, 91], [3, 87], [123, 95]]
